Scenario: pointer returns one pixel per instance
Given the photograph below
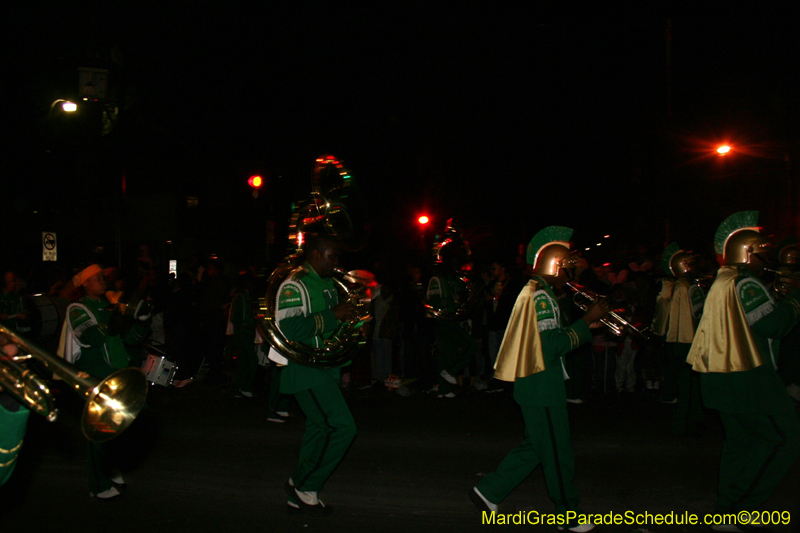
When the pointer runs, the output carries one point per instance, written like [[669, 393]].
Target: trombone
[[584, 298], [111, 404]]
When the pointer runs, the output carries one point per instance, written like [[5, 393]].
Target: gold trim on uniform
[[574, 340], [3, 465], [12, 450]]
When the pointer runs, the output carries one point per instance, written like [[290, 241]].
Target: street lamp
[[724, 149], [66, 105]]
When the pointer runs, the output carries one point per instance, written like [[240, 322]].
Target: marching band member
[[87, 342], [733, 351], [308, 312], [531, 355], [457, 344], [685, 309]]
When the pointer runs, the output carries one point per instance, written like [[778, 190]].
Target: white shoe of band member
[[492, 506], [582, 528], [308, 497], [448, 378], [108, 494], [117, 478]]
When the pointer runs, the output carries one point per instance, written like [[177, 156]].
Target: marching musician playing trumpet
[[733, 352], [537, 338]]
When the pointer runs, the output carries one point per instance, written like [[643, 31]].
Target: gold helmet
[[549, 251], [788, 253], [677, 262], [738, 238]]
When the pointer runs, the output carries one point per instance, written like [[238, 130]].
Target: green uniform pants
[[277, 402], [330, 429], [759, 450], [675, 362], [101, 457], [457, 350], [688, 415], [247, 363], [547, 442]]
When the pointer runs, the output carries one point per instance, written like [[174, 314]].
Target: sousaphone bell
[[333, 207]]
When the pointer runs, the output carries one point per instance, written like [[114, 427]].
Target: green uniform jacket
[[759, 389], [12, 431], [442, 292], [546, 388], [101, 353], [304, 315]]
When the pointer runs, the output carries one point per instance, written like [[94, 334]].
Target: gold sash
[[520, 353], [724, 342], [661, 315], [681, 321]]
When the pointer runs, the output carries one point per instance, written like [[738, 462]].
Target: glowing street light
[[724, 149], [66, 105]]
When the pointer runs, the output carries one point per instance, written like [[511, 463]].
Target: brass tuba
[[326, 210], [111, 404], [584, 298], [453, 246]]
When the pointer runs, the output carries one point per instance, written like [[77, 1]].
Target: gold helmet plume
[[549, 251]]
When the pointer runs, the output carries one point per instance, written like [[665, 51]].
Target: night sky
[[506, 116]]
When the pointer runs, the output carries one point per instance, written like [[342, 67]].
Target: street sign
[[49, 247]]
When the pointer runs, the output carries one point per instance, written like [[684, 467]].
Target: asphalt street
[[204, 461]]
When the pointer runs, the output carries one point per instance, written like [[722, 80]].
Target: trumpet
[[111, 404], [613, 321], [785, 281]]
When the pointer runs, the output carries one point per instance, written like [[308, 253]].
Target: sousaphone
[[449, 253], [334, 207]]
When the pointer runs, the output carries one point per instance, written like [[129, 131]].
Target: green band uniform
[[304, 315], [101, 354], [734, 351], [537, 319], [458, 346]]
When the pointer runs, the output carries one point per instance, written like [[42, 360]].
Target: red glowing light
[[255, 181], [423, 219]]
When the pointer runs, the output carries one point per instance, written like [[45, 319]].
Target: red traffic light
[[255, 181]]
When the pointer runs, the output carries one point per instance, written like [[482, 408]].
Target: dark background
[[507, 117]]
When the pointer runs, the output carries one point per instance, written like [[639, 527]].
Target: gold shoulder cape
[[520, 353], [723, 342], [661, 316], [681, 322]]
